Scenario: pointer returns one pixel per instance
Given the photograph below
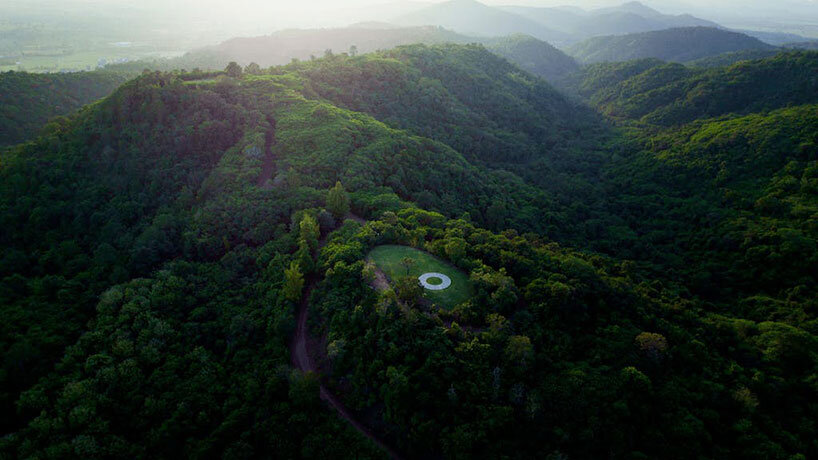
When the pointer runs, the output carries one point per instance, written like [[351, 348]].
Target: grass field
[[388, 258]]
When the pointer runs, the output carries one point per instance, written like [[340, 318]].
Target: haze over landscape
[[53, 35], [409, 229]]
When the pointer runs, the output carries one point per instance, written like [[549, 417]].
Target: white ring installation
[[445, 281]]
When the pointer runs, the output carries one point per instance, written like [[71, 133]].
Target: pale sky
[[223, 18], [304, 10]]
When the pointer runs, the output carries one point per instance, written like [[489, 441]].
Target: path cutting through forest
[[268, 164], [301, 357]]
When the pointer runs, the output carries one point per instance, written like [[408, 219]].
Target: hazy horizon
[[260, 15], [51, 35]]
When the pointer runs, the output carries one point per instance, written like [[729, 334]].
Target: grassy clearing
[[389, 259]]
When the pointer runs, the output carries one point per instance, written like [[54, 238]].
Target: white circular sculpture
[[445, 281]]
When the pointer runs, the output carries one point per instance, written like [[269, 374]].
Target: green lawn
[[388, 258]]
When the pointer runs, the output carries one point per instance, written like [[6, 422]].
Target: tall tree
[[233, 70], [253, 69], [293, 282], [309, 232], [338, 201]]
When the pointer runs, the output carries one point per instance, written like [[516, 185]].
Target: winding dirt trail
[[268, 165], [301, 358]]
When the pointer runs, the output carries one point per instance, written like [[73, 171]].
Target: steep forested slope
[[735, 197], [534, 56], [28, 101], [725, 59], [670, 94], [678, 45], [483, 107], [137, 239], [696, 192]]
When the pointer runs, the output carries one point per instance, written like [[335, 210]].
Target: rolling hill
[[534, 56], [671, 94], [531, 54], [807, 45], [678, 45], [31, 100], [732, 57]]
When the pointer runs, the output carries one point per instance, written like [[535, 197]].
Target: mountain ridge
[[678, 44]]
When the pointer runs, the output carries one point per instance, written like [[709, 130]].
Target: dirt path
[[268, 166], [298, 350], [358, 219], [301, 358], [381, 283]]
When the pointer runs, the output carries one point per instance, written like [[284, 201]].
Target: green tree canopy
[[293, 282], [233, 70], [338, 201]]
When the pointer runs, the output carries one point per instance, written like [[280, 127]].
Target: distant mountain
[[678, 45], [283, 46], [808, 45], [773, 38], [630, 7], [535, 56], [531, 54], [624, 19], [566, 21], [474, 18]]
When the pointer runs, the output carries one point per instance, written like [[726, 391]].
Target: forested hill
[[479, 103], [643, 292], [732, 57], [670, 94], [487, 109], [678, 45], [28, 101], [535, 56]]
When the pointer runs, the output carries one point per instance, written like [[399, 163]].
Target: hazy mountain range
[[557, 25], [530, 53], [563, 25], [678, 45]]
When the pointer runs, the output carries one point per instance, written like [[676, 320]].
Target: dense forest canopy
[[534, 56], [28, 101], [669, 94], [642, 269], [32, 100]]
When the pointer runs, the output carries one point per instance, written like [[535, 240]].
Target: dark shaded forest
[[28, 101]]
